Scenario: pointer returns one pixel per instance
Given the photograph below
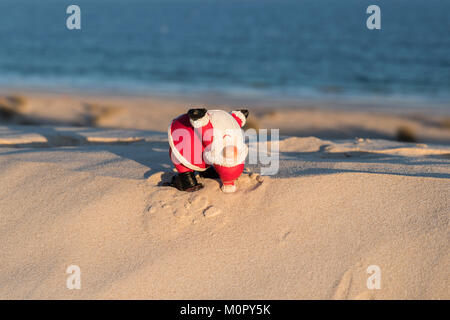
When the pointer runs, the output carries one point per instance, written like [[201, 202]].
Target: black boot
[[186, 181], [209, 173]]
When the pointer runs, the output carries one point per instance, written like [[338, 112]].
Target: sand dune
[[95, 198], [309, 118]]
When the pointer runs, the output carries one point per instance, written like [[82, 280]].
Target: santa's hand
[[195, 114]]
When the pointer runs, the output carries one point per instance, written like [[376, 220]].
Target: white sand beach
[[82, 184]]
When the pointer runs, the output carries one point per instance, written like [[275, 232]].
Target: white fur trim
[[178, 155], [200, 122], [241, 117], [229, 188]]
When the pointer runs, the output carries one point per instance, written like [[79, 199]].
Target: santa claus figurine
[[210, 142]]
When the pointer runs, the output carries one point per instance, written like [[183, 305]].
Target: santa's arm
[[200, 120], [240, 116]]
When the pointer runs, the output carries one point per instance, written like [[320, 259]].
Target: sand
[[82, 184]]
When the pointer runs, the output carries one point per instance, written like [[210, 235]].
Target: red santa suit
[[215, 139]]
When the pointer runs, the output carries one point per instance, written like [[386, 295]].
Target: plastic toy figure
[[210, 142]]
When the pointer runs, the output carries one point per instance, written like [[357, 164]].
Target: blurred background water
[[255, 48]]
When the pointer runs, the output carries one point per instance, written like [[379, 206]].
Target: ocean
[[252, 48]]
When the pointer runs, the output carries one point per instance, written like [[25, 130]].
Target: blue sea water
[[278, 48]]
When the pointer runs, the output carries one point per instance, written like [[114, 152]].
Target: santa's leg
[[229, 175], [209, 173], [185, 180]]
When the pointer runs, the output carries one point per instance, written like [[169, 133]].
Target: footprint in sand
[[196, 203], [187, 208], [211, 211], [164, 215], [150, 209], [184, 206]]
